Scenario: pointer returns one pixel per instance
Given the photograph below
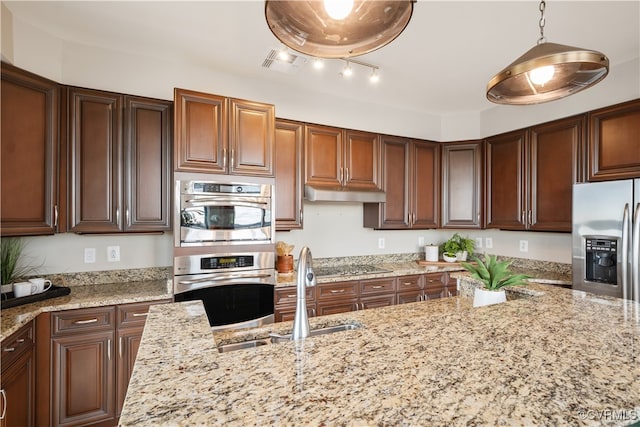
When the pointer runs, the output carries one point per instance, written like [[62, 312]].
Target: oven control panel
[[223, 262]]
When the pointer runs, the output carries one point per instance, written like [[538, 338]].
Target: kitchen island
[[553, 356]]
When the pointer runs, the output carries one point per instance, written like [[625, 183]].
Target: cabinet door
[[435, 285], [555, 148], [377, 301], [83, 378], [394, 213], [505, 181], [425, 185], [406, 297], [128, 345], [336, 305], [361, 160], [323, 156], [462, 185], [251, 138], [28, 153], [147, 164], [614, 150], [288, 168], [18, 385], [200, 132], [96, 160]]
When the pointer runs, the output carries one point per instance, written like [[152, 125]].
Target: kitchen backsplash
[[109, 276]]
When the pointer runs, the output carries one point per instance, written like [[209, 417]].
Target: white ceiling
[[439, 64]]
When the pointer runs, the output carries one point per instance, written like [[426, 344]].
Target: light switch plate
[[478, 242], [113, 253], [488, 242], [89, 255]]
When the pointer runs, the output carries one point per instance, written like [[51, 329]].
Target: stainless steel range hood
[[340, 194]]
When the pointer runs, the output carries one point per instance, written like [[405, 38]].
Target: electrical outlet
[[381, 243], [488, 242], [113, 253], [420, 241], [524, 246], [478, 242], [89, 255]]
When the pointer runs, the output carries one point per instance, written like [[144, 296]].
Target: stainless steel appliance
[[606, 238], [223, 210], [236, 289]]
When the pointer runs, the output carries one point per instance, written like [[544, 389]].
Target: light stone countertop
[[552, 357], [84, 297]]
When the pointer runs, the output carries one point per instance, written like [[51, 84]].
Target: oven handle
[[224, 277], [225, 201]]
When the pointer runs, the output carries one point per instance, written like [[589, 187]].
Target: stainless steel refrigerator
[[606, 238]]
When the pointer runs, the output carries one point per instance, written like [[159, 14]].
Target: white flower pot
[[449, 258], [461, 256], [483, 297]]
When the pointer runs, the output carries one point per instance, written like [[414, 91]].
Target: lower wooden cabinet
[[88, 362], [17, 379]]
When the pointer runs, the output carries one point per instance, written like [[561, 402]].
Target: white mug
[[22, 289], [39, 285]]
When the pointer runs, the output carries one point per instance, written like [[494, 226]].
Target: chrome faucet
[[306, 277]]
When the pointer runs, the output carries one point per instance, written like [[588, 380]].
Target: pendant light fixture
[[337, 28], [547, 72]]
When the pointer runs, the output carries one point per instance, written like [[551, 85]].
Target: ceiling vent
[[291, 64]]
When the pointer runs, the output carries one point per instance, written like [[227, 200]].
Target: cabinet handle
[[224, 158], [85, 322], [126, 215], [291, 296], [55, 215], [341, 176], [523, 217], [139, 314], [346, 175], [120, 347], [407, 284], [109, 349], [4, 404], [377, 287], [118, 217], [9, 349], [337, 291], [313, 311], [232, 157], [530, 216], [301, 215]]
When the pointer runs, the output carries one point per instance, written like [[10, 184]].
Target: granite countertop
[[551, 357], [84, 297]]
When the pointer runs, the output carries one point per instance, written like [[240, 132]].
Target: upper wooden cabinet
[[336, 157], [288, 171], [411, 180], [462, 185], [214, 134], [120, 165], [530, 174], [29, 122], [614, 142]]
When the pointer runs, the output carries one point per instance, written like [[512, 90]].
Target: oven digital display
[[212, 187], [222, 262]]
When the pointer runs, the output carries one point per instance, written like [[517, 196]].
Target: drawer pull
[[407, 284], [9, 349], [85, 322], [4, 404], [291, 296], [377, 287], [337, 291], [139, 314], [20, 341]]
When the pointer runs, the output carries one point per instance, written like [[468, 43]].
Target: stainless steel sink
[[277, 338], [243, 345]]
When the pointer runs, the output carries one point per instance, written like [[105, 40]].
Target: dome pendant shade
[[306, 27], [574, 69]]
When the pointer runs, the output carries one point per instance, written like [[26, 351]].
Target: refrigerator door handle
[[635, 255], [626, 224]]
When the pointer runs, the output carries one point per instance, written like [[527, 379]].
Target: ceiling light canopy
[[547, 72], [337, 28]]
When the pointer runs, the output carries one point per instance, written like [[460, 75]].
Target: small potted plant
[[11, 249], [457, 248], [494, 275]]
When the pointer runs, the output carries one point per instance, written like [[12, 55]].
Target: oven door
[[231, 300], [224, 220]]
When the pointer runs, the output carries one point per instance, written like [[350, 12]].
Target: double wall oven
[[224, 252]]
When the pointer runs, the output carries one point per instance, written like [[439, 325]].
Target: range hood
[[341, 194]]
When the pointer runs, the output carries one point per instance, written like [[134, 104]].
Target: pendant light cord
[[542, 21]]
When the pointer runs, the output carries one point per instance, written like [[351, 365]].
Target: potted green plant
[[495, 276], [10, 271], [457, 248]]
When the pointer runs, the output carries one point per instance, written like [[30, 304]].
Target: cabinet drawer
[[435, 281], [16, 344], [377, 286], [406, 283], [84, 319], [287, 295], [135, 314], [338, 290]]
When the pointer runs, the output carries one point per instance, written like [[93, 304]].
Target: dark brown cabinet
[[119, 162], [336, 157], [462, 184], [17, 380], [214, 134], [285, 303], [29, 122], [425, 287], [288, 171], [530, 174], [614, 144], [337, 297], [411, 180]]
